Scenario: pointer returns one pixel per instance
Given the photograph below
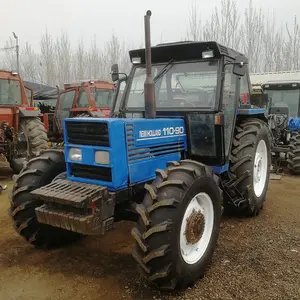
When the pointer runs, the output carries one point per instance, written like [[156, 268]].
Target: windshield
[[103, 98], [188, 85], [289, 97], [83, 100], [10, 92], [66, 100]]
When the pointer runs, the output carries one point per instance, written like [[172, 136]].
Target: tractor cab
[[282, 91], [83, 97], [86, 98], [284, 94], [17, 118], [209, 89], [284, 122], [13, 95]]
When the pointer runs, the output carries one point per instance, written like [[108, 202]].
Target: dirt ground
[[255, 259]]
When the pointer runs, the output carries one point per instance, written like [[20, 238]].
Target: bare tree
[[278, 52], [291, 49], [271, 50], [79, 62], [94, 61], [252, 33], [268, 46], [194, 31], [10, 61], [29, 63], [223, 25], [47, 61], [63, 58]]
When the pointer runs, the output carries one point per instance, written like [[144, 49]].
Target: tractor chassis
[[279, 157]]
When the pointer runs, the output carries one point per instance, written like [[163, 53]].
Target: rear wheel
[[49, 166], [294, 154], [178, 225], [32, 139], [250, 163]]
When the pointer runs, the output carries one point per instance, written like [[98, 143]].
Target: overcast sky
[[29, 18]]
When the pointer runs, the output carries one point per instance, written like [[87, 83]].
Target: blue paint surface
[[220, 169], [151, 144], [117, 150], [294, 124], [250, 111], [137, 148]]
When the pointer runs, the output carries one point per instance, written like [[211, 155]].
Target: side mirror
[[115, 72], [239, 67], [260, 100]]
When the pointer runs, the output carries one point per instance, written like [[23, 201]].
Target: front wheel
[[40, 171], [178, 225]]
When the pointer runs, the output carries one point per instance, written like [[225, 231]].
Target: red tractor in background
[[22, 133], [86, 98]]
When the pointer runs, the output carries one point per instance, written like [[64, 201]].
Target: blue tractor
[[184, 141]]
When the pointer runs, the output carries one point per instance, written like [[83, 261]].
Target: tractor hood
[[118, 153]]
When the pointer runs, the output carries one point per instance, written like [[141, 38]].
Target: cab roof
[[91, 83], [183, 51]]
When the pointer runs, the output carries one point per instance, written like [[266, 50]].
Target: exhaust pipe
[[149, 95]]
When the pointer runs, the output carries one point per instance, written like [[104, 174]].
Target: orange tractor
[[86, 98], [22, 133]]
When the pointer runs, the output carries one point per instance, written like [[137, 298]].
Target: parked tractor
[[283, 92], [22, 134], [86, 98], [185, 143]]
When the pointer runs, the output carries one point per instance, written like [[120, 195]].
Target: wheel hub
[[194, 227], [258, 169]]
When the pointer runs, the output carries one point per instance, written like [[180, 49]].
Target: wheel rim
[[260, 168], [196, 228]]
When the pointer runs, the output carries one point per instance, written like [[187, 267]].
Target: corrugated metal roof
[[275, 77]]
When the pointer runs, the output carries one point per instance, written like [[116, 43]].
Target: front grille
[[88, 133], [91, 172]]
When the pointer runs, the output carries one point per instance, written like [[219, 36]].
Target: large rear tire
[[33, 139], [178, 225], [38, 172], [294, 154], [250, 163]]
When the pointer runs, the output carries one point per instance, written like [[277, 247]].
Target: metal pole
[[150, 105], [18, 59], [17, 52]]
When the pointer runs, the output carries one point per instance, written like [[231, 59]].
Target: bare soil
[[256, 258]]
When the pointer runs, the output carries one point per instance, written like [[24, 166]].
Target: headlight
[[102, 157], [75, 154]]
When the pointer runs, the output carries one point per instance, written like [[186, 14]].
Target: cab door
[[64, 104]]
